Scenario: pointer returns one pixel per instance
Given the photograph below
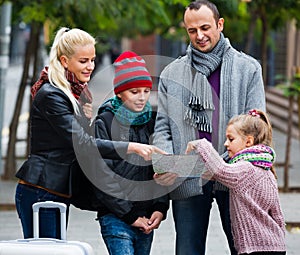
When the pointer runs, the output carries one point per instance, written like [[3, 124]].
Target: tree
[[291, 89], [269, 15], [10, 163], [118, 18], [105, 18]]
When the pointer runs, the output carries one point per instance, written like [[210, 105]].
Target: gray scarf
[[201, 107]]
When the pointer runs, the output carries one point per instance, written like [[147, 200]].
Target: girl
[[59, 121], [128, 215], [257, 221]]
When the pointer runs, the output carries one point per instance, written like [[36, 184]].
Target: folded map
[[183, 165]]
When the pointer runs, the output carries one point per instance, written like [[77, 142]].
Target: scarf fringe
[[199, 120], [197, 114], [196, 104]]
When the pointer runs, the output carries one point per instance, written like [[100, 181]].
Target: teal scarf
[[126, 116], [259, 155]]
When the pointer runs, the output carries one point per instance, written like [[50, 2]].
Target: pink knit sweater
[[256, 217]]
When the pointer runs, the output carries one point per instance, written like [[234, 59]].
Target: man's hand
[[166, 179]]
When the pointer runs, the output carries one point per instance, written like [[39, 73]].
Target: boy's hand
[[155, 220], [142, 224]]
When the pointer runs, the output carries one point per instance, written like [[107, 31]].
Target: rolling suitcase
[[46, 246]]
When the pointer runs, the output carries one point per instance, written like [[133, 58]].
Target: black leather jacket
[[132, 192], [55, 133]]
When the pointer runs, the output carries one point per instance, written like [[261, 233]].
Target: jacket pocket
[[46, 173]]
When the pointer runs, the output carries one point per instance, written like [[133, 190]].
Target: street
[[82, 225]]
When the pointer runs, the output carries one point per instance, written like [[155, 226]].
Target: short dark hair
[[196, 5]]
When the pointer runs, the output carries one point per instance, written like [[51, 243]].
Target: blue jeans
[[49, 218], [191, 217], [123, 239]]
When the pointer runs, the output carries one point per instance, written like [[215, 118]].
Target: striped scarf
[[79, 89], [259, 155]]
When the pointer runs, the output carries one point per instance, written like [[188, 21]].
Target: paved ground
[[83, 227]]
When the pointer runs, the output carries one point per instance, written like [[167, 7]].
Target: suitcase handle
[[50, 204]]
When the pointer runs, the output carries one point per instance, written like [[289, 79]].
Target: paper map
[[183, 165]]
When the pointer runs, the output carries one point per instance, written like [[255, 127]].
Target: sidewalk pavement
[[83, 227]]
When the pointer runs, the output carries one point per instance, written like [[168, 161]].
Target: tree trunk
[[264, 47], [250, 34], [298, 100], [10, 162], [37, 67], [288, 145]]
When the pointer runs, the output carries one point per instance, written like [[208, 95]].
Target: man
[[197, 95]]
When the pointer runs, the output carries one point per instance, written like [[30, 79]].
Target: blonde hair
[[257, 124], [65, 43]]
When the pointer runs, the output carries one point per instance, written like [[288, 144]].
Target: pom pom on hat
[[130, 72]]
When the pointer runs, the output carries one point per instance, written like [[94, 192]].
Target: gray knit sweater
[[241, 89]]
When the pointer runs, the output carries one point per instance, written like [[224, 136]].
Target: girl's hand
[[208, 176], [191, 146]]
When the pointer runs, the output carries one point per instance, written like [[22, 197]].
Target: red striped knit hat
[[130, 72]]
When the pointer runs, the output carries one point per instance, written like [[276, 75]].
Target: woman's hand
[[88, 110], [144, 150]]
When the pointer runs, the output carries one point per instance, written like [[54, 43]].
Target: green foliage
[[118, 18], [291, 87], [277, 12], [227, 7], [103, 18], [236, 25]]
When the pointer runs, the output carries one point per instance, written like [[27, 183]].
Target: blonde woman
[[59, 119]]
